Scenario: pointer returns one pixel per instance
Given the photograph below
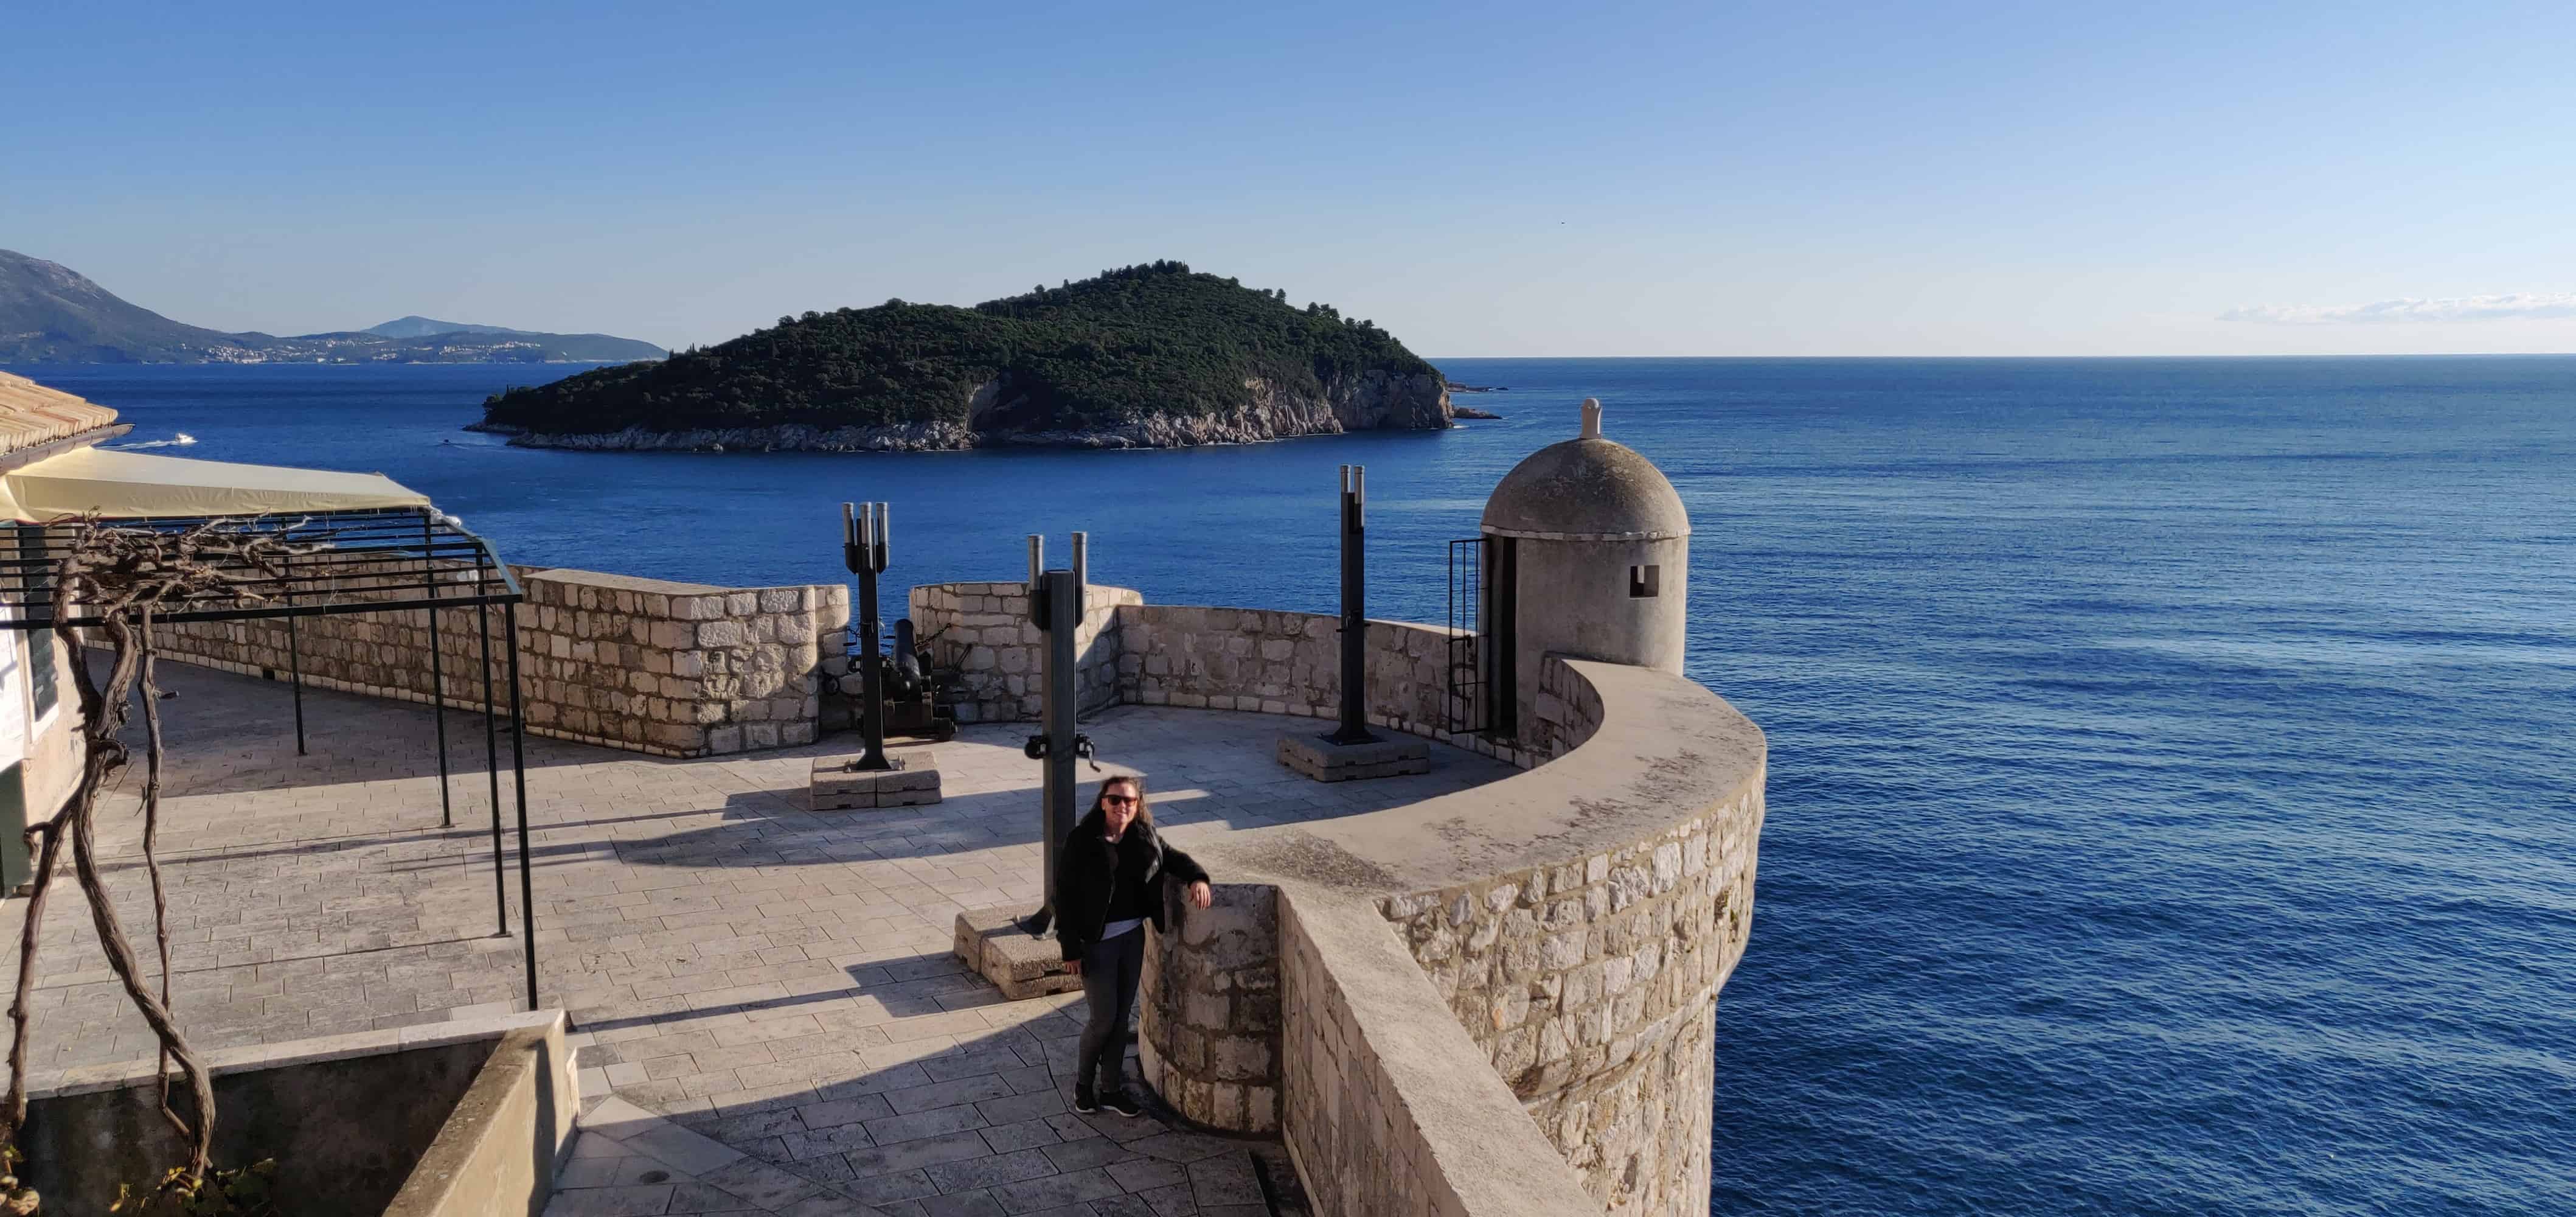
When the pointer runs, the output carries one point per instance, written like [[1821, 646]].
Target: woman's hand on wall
[[1201, 895]]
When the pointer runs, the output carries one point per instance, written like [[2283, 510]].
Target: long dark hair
[[1144, 815]]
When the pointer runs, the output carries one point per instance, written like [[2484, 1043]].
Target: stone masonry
[[1194, 657], [982, 631], [672, 669], [1593, 986], [1588, 986], [1211, 989]]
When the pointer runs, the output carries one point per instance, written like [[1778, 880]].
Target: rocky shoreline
[[1187, 431], [1368, 401]]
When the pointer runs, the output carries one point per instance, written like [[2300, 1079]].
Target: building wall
[[46, 745], [1574, 600]]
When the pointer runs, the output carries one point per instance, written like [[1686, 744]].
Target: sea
[[2173, 761]]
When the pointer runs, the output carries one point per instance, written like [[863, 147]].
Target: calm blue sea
[[2173, 773]]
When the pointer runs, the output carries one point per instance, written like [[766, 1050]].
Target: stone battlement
[[1565, 931], [1425, 1001], [671, 669]]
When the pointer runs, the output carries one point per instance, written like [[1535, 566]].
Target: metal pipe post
[[519, 771], [1355, 729], [872, 666], [492, 767], [294, 657], [1063, 617], [437, 674]]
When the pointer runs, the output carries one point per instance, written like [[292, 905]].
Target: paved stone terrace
[[767, 991]]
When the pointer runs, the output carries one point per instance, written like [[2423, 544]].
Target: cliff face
[[1363, 401]]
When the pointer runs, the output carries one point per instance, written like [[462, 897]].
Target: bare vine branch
[[124, 577]]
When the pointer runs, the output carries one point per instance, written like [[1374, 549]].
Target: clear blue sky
[[1482, 180]]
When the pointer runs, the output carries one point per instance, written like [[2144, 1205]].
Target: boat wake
[[181, 440]]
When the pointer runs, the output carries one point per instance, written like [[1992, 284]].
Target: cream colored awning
[[133, 485]]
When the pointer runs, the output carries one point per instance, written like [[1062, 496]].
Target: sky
[[1497, 179]]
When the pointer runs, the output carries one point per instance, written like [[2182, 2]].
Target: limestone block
[[1325, 761], [835, 786], [991, 942]]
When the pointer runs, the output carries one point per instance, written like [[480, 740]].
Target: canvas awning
[[134, 485]]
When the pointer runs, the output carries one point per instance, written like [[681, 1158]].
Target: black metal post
[[865, 528], [1355, 729], [519, 772], [294, 657], [492, 764], [437, 676], [1055, 607]]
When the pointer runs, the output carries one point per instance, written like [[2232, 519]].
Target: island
[[1147, 356]]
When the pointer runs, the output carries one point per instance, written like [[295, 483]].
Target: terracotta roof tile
[[31, 414]]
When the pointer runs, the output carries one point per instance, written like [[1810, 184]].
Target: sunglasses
[[1118, 799]]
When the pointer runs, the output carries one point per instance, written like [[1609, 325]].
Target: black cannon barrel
[[906, 669]]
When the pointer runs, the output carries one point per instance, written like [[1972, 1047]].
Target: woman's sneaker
[[1083, 1101], [1121, 1102]]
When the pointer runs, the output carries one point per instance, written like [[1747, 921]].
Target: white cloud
[[2512, 306]]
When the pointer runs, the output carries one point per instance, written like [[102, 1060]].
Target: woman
[[1108, 883]]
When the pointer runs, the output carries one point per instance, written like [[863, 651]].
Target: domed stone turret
[[1586, 489], [1586, 554]]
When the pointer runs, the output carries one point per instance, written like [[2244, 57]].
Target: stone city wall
[[1284, 663], [1583, 985], [672, 669], [1212, 1009], [1212, 1042], [1390, 1109], [982, 632], [1191, 656], [1592, 988]]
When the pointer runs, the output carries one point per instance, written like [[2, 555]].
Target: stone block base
[[991, 943], [913, 782], [1325, 761]]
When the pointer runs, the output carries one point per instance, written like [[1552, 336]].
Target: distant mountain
[[50, 313], [417, 326]]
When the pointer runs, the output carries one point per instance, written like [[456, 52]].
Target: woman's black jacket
[[1086, 876]]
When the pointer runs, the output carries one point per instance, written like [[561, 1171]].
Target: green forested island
[[1152, 355]]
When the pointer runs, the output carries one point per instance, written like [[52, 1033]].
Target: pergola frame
[[375, 560]]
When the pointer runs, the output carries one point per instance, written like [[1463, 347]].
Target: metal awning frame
[[376, 560]]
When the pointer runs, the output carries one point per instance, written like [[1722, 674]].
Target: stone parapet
[[1566, 929], [672, 669], [1284, 663], [982, 632], [1211, 993], [1389, 1109]]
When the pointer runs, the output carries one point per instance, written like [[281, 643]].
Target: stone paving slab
[[767, 994]]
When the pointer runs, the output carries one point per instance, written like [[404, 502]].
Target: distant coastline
[[52, 314]]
